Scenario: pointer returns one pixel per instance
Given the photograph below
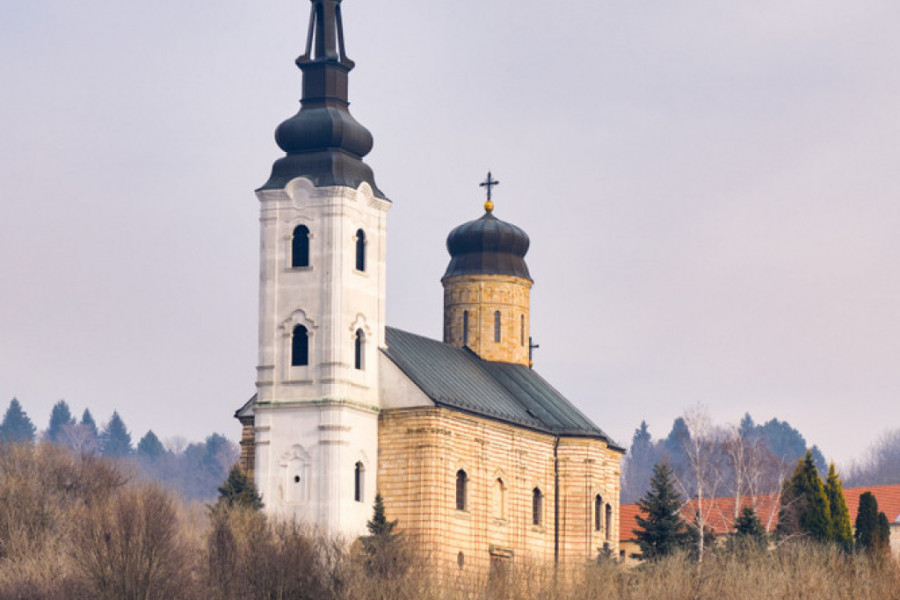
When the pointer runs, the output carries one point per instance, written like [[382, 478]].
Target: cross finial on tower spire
[[489, 183]]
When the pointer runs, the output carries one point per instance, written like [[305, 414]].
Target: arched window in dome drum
[[300, 247], [598, 512], [465, 328], [300, 347], [608, 522], [360, 250], [497, 326], [522, 330]]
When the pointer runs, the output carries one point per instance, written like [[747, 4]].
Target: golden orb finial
[[489, 183]]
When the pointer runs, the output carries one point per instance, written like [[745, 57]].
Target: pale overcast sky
[[711, 190]]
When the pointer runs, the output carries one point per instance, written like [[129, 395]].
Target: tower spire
[[323, 141]]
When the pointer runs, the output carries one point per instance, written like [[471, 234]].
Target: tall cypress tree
[[16, 426], [804, 505], [662, 531], [873, 532], [841, 530], [115, 441], [60, 417]]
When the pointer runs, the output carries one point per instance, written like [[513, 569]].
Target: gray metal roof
[[460, 379]]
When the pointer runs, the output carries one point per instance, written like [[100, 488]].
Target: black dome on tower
[[487, 246], [323, 141]]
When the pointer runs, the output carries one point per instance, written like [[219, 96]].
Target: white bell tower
[[322, 291]]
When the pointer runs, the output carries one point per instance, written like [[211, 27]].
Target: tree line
[[194, 470], [810, 510]]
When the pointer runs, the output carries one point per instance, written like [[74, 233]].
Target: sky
[[710, 188]]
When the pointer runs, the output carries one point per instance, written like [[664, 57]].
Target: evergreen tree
[[639, 464], [662, 531], [841, 530], [883, 534], [804, 505], [60, 418], [873, 532], [748, 531], [238, 490], [16, 426], [747, 427], [88, 421], [115, 441], [386, 553], [150, 447]]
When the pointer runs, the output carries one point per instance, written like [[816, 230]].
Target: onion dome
[[323, 141], [487, 246]]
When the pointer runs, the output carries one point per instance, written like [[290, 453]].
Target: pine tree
[[662, 532], [239, 491], [150, 447], [748, 531], [60, 418], [115, 441], [804, 505], [386, 552], [841, 530], [638, 465], [87, 419], [873, 532], [16, 426]]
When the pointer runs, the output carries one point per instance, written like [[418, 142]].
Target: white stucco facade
[[316, 425]]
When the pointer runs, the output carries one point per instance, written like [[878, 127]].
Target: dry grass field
[[76, 528]]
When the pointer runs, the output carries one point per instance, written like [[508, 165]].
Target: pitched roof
[[460, 379], [720, 511], [888, 497]]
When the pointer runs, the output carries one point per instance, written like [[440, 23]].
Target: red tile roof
[[721, 511]]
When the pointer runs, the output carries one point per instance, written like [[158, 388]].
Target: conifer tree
[[748, 531], [386, 553], [16, 426], [873, 532], [804, 505], [662, 531], [150, 447], [87, 419], [748, 524], [841, 530], [115, 441], [60, 418], [238, 490]]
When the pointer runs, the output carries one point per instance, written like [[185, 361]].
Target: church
[[479, 459]]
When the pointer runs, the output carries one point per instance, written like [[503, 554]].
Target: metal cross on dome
[[489, 183]]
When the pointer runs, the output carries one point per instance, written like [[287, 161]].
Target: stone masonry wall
[[420, 453], [481, 296]]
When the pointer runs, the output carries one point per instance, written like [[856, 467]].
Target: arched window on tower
[[465, 328], [497, 326], [598, 512], [300, 347], [360, 250], [608, 522], [522, 330], [462, 482], [300, 247], [359, 350], [359, 478], [537, 506]]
